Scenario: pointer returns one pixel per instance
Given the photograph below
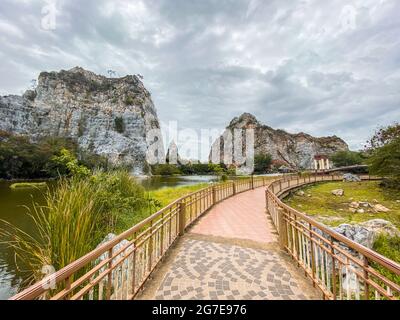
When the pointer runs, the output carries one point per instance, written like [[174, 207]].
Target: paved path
[[240, 217], [231, 253]]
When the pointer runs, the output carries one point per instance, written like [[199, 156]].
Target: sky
[[320, 67]]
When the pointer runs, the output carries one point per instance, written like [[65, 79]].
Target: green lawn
[[333, 210], [168, 195], [159, 199]]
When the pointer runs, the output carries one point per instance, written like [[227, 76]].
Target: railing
[[338, 266], [118, 269]]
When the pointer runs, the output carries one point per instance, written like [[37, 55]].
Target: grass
[[77, 216], [167, 195], [156, 200], [333, 210], [30, 185]]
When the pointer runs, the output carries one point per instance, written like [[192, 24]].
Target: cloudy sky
[[322, 67]]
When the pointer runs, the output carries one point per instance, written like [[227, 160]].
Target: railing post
[[182, 218], [366, 276], [282, 229], [234, 187], [252, 182], [214, 195], [334, 275], [109, 276]]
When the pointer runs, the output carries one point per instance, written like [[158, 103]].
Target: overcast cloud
[[322, 67]]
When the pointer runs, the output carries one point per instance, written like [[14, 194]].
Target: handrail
[[321, 251], [148, 242]]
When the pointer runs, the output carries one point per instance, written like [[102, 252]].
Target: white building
[[321, 162]]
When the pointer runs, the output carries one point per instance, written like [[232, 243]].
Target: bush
[[165, 169], [390, 248], [385, 162], [262, 163], [129, 101], [383, 136], [347, 158], [77, 216], [119, 125], [67, 163], [22, 159]]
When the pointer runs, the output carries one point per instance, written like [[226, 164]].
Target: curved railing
[[338, 266], [119, 268]]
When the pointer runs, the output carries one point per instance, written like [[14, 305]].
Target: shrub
[[390, 248], [22, 159], [67, 163], [262, 163], [119, 125], [385, 161], [77, 216], [347, 158], [165, 169], [129, 101]]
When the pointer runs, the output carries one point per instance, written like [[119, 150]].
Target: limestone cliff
[[295, 150], [107, 116]]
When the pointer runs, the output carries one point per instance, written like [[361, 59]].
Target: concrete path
[[231, 253]]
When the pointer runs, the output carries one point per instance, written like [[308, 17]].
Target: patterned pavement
[[206, 270]]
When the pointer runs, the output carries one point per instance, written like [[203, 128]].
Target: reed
[[77, 216]]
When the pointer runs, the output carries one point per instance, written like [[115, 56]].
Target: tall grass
[[77, 216]]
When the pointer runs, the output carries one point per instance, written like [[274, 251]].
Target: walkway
[[231, 253]]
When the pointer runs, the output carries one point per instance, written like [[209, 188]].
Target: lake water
[[14, 205]]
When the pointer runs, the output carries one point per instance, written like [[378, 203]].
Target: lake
[[14, 205]]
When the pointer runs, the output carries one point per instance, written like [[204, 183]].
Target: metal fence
[[338, 266]]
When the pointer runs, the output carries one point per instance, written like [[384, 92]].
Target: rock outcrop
[[107, 116], [365, 233], [296, 150], [173, 156]]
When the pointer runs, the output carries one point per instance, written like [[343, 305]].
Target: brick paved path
[[231, 253]]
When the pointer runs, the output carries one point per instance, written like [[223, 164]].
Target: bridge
[[235, 240]]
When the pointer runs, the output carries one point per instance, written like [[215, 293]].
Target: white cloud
[[298, 66]]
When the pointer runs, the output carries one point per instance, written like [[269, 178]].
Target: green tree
[[347, 158], [165, 169], [383, 136], [68, 163], [385, 161], [262, 163]]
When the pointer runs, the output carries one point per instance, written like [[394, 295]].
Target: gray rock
[[107, 116], [381, 226], [348, 177], [355, 205], [356, 233], [365, 233], [295, 151], [380, 208], [338, 192]]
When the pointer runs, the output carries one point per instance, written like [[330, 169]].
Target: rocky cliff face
[[107, 116], [295, 150]]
